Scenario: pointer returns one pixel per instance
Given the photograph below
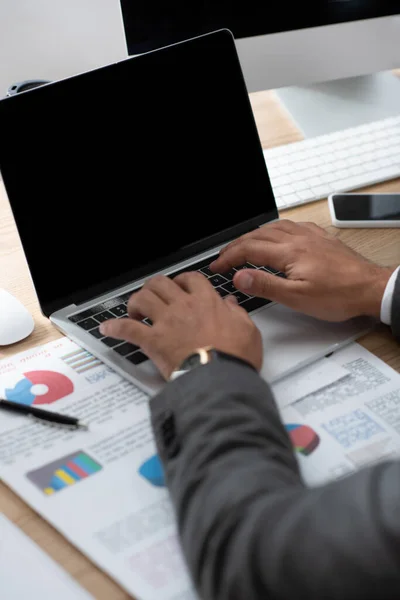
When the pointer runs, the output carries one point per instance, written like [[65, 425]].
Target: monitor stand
[[330, 106]]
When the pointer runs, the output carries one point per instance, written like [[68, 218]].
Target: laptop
[[144, 166]]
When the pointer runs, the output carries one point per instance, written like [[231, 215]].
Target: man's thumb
[[262, 284]]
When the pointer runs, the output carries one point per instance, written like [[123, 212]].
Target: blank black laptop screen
[[126, 165]]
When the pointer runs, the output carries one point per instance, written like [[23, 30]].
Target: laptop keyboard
[[90, 319]]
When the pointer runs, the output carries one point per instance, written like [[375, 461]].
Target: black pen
[[46, 416]]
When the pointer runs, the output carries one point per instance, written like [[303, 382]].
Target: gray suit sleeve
[[249, 528], [395, 316]]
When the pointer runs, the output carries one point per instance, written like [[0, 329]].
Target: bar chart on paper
[[64, 472], [80, 360]]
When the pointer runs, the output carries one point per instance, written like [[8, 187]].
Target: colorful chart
[[64, 472], [304, 439], [81, 361], [40, 387], [152, 470]]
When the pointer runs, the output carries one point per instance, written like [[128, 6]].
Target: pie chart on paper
[[40, 387], [152, 471], [304, 439]]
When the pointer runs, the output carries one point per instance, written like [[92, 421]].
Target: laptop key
[[104, 316], [96, 333], [270, 270], [88, 324], [119, 311], [254, 303], [207, 271], [137, 358], [199, 266], [229, 287], [240, 297], [111, 342], [229, 275], [221, 292], [126, 348], [217, 280], [83, 315], [245, 266]]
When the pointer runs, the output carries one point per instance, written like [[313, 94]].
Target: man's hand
[[325, 278], [187, 313]]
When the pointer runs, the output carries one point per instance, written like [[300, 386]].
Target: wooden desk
[[275, 128]]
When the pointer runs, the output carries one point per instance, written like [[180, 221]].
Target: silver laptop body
[[149, 165]]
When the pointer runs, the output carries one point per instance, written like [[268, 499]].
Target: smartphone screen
[[367, 207]]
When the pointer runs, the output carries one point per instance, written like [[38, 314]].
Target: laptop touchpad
[[292, 340]]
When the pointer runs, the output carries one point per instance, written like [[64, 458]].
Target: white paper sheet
[[314, 377], [104, 489], [349, 424], [26, 572]]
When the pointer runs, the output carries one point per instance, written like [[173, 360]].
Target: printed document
[[349, 424], [104, 489]]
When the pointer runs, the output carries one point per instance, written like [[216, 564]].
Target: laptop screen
[[116, 170]]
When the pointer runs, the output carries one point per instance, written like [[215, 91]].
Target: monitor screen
[[122, 167], [153, 23]]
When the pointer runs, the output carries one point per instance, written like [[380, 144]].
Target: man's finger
[[194, 283], [233, 304], [256, 252], [146, 304], [314, 228], [263, 285], [283, 225], [126, 329], [164, 287], [263, 234], [231, 300]]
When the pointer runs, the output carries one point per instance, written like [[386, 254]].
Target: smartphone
[[365, 210]]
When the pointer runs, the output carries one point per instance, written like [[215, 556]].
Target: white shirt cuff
[[386, 306]]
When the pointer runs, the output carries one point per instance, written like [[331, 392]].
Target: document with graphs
[[347, 424], [104, 489]]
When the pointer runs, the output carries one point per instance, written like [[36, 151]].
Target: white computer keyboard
[[338, 162]]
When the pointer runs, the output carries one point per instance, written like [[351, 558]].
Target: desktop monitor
[[281, 45]]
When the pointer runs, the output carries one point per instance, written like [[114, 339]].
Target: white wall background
[[51, 39]]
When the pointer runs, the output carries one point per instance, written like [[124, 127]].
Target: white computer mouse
[[16, 322]]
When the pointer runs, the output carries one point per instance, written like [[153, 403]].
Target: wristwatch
[[203, 356]]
